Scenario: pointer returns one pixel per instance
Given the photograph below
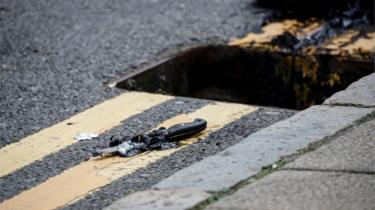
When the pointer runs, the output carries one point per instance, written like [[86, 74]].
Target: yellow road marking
[[97, 119], [363, 44], [344, 42], [88, 176], [272, 30], [268, 32], [337, 45], [336, 42]]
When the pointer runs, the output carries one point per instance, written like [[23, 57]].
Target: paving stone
[[304, 190], [360, 93], [160, 199], [352, 151], [236, 163]]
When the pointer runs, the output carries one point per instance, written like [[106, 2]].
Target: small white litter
[[179, 102], [85, 136]]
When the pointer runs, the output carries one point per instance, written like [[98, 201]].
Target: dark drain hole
[[228, 73]]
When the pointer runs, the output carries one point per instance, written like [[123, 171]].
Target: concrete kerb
[[246, 159], [351, 151], [360, 94], [161, 199]]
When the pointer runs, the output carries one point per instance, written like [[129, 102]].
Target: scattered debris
[[342, 13], [161, 139], [285, 40], [85, 136], [179, 102], [7, 67], [337, 16]]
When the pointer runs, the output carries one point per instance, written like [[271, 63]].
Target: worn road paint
[[268, 33], [352, 41], [90, 175], [349, 43], [97, 119], [272, 30]]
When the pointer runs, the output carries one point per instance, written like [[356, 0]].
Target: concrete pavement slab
[[360, 93], [304, 190], [160, 199], [352, 151], [265, 147]]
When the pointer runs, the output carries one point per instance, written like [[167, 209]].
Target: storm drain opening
[[236, 74]]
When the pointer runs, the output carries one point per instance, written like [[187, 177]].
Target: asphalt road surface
[[58, 57]]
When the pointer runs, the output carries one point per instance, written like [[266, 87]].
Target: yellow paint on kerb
[[89, 176], [97, 119]]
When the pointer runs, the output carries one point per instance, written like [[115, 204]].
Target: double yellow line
[[97, 119], [78, 181]]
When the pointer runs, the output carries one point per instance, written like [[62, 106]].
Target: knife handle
[[185, 130]]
